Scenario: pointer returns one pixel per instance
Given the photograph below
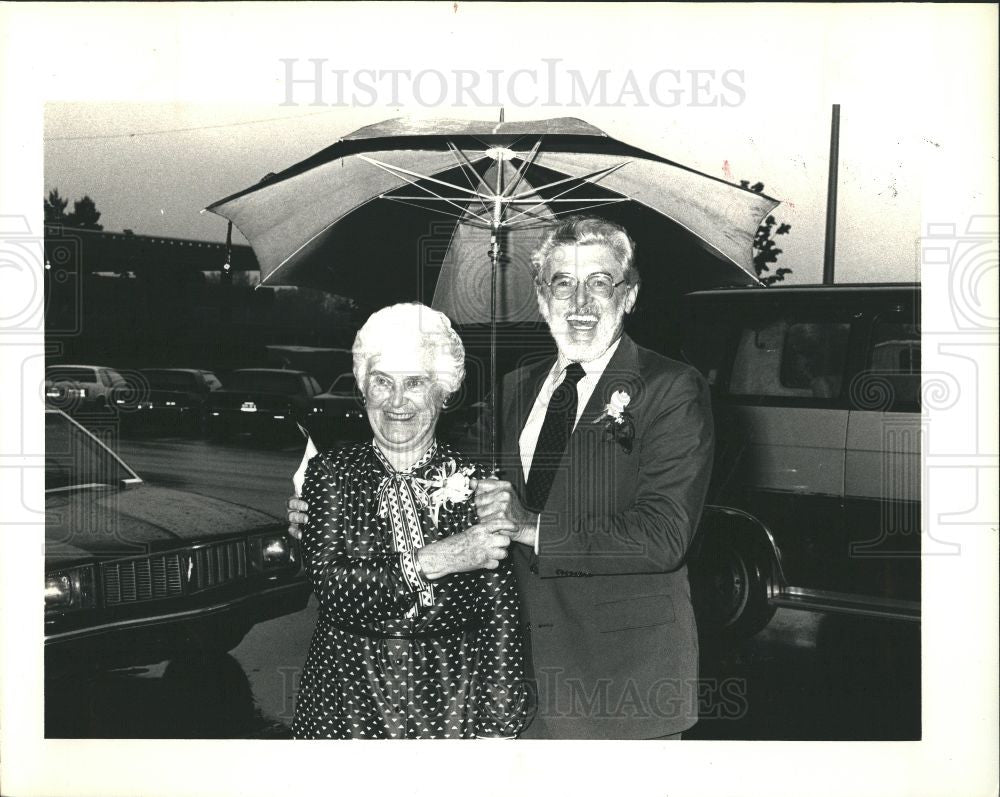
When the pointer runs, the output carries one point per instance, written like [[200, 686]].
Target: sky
[[911, 121]]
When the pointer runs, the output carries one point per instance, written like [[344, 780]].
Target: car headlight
[[270, 551], [68, 590]]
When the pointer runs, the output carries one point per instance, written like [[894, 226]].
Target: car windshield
[[265, 382], [344, 384], [74, 458], [63, 374], [171, 380]]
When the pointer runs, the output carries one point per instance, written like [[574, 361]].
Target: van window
[[894, 360], [798, 358]]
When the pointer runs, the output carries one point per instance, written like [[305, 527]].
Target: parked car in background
[[85, 388], [173, 399], [815, 502], [260, 401], [325, 363], [136, 573], [337, 414]]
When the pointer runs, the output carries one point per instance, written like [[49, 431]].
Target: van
[[815, 498]]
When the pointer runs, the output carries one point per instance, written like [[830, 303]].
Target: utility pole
[[831, 198]]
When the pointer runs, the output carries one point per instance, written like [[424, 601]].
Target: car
[[337, 415], [174, 399], [815, 500], [136, 573], [85, 388], [265, 402]]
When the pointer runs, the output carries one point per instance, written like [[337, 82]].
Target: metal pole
[[495, 244], [495, 263], [831, 198]]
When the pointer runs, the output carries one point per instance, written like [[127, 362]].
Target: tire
[[729, 583]]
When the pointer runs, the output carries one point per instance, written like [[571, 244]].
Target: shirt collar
[[592, 368]]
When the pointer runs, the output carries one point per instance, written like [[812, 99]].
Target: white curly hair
[[437, 348]]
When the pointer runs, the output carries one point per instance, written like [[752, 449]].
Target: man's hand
[[480, 547], [496, 499], [297, 517]]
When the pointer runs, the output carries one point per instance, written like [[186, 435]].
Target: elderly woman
[[417, 635]]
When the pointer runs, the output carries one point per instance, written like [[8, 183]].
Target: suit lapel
[[621, 373]]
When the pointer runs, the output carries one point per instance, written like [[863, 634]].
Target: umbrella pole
[[496, 223], [494, 267]]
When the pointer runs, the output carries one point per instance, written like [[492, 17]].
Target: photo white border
[[52, 52]]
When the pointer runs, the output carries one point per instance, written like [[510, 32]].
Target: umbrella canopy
[[407, 209]]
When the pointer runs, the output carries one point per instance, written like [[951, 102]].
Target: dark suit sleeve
[[654, 533]]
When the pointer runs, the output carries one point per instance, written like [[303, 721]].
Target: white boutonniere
[[618, 421], [616, 407], [447, 485]]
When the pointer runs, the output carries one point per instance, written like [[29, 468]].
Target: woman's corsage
[[618, 421], [446, 485]]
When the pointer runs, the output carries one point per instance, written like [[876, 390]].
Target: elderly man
[[608, 454]]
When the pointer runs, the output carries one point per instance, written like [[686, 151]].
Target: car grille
[[218, 564], [151, 578], [163, 575]]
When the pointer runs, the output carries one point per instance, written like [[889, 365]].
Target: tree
[[765, 250], [85, 215], [55, 208]]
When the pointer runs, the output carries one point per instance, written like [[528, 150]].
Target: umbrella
[[452, 209]]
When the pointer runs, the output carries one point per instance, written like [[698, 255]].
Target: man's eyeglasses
[[602, 286]]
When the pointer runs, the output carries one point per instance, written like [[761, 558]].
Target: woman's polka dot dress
[[381, 664]]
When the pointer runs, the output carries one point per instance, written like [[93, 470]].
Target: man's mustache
[[583, 315]]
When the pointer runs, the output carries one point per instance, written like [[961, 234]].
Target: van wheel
[[729, 586]]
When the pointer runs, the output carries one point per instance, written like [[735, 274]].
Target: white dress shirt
[[584, 390], [592, 372]]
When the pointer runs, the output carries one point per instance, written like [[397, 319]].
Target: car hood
[[109, 522]]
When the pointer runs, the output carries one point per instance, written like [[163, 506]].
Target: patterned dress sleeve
[[500, 694], [501, 698], [351, 589]]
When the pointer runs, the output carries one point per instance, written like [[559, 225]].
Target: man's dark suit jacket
[[607, 600]]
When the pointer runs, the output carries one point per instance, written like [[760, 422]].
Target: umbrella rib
[[599, 174], [523, 168], [463, 217], [599, 200], [603, 173], [399, 171], [432, 197], [515, 222], [465, 162]]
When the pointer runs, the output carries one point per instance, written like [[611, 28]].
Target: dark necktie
[[552, 439]]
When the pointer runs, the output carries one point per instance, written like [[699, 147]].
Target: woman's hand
[[480, 547], [297, 517]]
